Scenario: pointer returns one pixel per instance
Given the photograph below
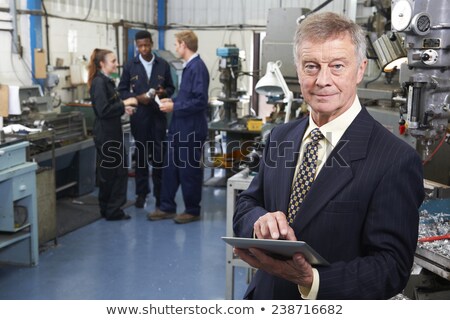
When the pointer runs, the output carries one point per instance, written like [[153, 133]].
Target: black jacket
[[108, 108]]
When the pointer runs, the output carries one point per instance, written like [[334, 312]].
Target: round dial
[[421, 23], [401, 15]]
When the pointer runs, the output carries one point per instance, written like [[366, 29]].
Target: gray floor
[[133, 259]]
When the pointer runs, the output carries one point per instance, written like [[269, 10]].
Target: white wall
[[14, 69], [216, 22], [104, 10], [235, 12], [88, 36]]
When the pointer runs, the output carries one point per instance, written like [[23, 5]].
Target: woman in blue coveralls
[[188, 131], [108, 137]]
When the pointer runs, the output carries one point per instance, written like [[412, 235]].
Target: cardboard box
[[4, 100], [40, 64]]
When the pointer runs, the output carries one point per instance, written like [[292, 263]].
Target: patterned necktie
[[305, 175]]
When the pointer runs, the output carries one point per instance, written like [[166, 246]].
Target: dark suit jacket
[[361, 213]]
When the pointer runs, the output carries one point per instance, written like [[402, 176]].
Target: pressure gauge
[[421, 23], [401, 15]]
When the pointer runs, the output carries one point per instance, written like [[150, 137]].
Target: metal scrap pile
[[434, 232]]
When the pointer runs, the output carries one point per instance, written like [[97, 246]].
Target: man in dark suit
[[361, 210]]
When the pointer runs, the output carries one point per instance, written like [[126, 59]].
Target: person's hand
[[296, 270], [273, 225], [161, 92], [166, 105], [130, 110], [143, 99], [132, 101]]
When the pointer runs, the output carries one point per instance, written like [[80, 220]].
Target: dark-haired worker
[[148, 124]]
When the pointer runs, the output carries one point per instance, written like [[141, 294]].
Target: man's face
[[145, 48], [180, 48], [328, 74]]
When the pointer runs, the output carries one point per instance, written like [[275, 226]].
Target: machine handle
[[434, 238]]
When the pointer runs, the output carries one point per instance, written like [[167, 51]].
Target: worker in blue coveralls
[[187, 134], [145, 77]]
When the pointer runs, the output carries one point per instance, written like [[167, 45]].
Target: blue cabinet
[[18, 209]]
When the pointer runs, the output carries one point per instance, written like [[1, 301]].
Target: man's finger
[[282, 223]]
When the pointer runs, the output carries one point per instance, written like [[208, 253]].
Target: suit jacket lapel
[[292, 154], [337, 171]]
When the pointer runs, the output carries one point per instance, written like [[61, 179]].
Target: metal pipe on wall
[[15, 37], [161, 23]]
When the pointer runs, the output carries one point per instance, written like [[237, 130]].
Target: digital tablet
[[280, 249]]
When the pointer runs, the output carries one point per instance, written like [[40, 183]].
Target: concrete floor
[[133, 259]]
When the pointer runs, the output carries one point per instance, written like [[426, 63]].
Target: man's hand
[[161, 92], [143, 99], [132, 101], [166, 105], [273, 225], [296, 270], [130, 110]]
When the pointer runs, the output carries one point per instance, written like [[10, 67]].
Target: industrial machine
[[277, 54], [416, 91], [229, 68], [424, 113], [426, 77], [33, 112], [32, 101], [56, 140], [236, 126]]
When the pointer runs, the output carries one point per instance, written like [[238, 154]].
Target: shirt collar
[[195, 55], [106, 75], [145, 62], [334, 130]]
